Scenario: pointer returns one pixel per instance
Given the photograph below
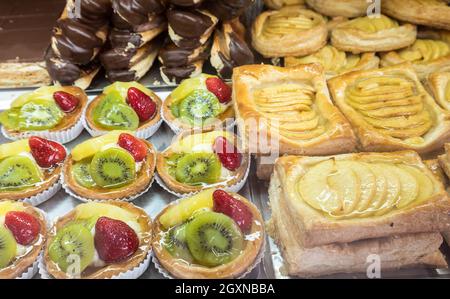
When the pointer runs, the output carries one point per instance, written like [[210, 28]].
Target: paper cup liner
[[233, 188], [143, 133], [84, 199], [58, 136], [44, 195]]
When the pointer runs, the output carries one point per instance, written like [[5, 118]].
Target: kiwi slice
[[110, 98], [198, 168], [17, 172], [199, 105], [8, 247], [39, 115], [116, 116], [10, 118], [81, 173], [112, 168], [175, 243], [213, 239], [172, 162], [72, 242]]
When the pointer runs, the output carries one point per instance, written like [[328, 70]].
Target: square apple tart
[[390, 110]]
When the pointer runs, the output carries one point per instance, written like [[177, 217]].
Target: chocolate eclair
[[230, 49], [186, 2], [172, 56], [128, 14], [91, 12], [227, 10], [174, 75]]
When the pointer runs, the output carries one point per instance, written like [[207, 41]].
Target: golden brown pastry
[[336, 8], [439, 85], [289, 110], [372, 34], [277, 4], [336, 62], [390, 110], [432, 13], [430, 53], [290, 31]]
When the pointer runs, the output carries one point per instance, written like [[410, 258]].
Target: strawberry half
[[137, 148], [47, 153], [226, 204], [220, 89], [141, 103], [66, 101], [228, 154], [25, 227], [114, 240]]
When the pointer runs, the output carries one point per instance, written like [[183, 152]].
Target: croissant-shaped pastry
[[439, 85], [340, 8]]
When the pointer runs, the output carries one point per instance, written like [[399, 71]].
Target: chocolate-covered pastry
[[139, 35], [227, 10], [186, 3], [91, 12], [174, 75], [230, 49], [173, 56], [129, 14]]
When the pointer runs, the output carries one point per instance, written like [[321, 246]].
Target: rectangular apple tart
[[390, 110], [330, 214]]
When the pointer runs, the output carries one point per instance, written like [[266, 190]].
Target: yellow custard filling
[[371, 24], [289, 22], [425, 50]]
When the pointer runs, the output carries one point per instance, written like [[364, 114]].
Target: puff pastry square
[[352, 197], [390, 110], [288, 111], [340, 8], [439, 85]]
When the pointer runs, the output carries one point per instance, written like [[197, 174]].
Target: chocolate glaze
[[121, 38], [189, 23], [130, 13], [186, 2], [117, 58], [226, 10], [178, 73], [92, 12], [240, 54], [173, 56], [121, 75]]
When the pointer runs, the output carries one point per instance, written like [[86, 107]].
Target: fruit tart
[[200, 102], [51, 112], [116, 166], [97, 241], [23, 231], [124, 106], [213, 234], [199, 160], [30, 169]]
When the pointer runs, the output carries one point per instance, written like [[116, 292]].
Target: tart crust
[[234, 269], [21, 264], [143, 179], [110, 270]]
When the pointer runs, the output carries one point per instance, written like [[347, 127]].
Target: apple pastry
[[277, 4], [390, 110], [430, 53], [330, 213], [336, 62], [439, 85], [290, 31], [288, 111], [444, 160], [372, 34], [340, 8], [432, 13]]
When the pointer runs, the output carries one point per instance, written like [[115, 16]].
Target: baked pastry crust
[[439, 85], [174, 185], [432, 13], [277, 4], [376, 34], [70, 119], [289, 110], [314, 228], [336, 8], [290, 31], [112, 269], [412, 120], [21, 264], [336, 62], [181, 269], [143, 178]]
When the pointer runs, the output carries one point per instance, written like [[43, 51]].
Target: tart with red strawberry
[[52, 112], [213, 234], [99, 240], [198, 160], [203, 102], [30, 169], [116, 165], [124, 106], [23, 231]]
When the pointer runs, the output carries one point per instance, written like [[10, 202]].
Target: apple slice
[[410, 187], [426, 185], [91, 146], [393, 190], [98, 209], [381, 188], [346, 183], [14, 148]]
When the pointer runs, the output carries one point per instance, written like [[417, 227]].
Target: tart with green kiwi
[[52, 112], [23, 232], [203, 102], [213, 234], [116, 165], [124, 106], [99, 240], [198, 160], [30, 169]]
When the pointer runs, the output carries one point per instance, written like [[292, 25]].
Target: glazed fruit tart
[[213, 234], [99, 240], [30, 169], [124, 106], [52, 112], [116, 166], [199, 160], [200, 102]]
